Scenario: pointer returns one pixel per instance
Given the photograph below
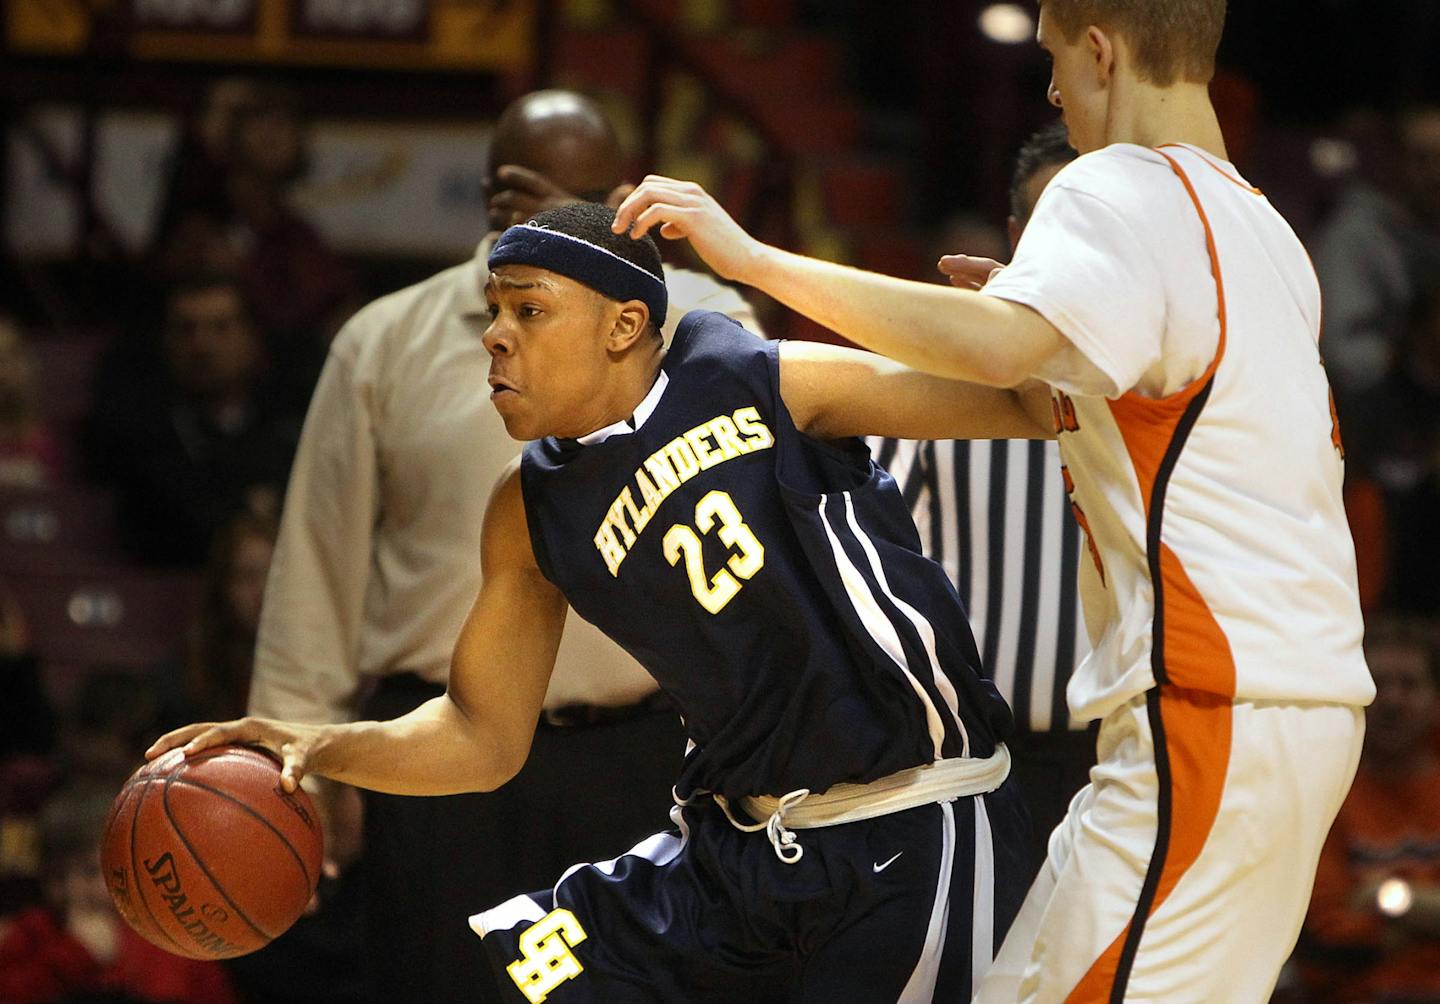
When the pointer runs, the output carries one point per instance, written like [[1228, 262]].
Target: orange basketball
[[209, 857]]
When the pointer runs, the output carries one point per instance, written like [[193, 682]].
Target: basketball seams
[[252, 795], [117, 808], [200, 862], [299, 860], [140, 886]]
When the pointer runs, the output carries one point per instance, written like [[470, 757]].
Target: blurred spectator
[[198, 167], [106, 728], [1378, 254], [75, 946], [29, 452], [27, 739], [25, 782], [229, 210], [1393, 437], [210, 681], [27, 724], [1373, 933], [191, 445]]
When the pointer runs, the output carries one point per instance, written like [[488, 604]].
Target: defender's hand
[[293, 744], [965, 272], [682, 209]]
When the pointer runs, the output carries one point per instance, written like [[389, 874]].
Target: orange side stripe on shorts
[[1196, 742]]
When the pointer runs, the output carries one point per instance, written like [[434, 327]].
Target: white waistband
[[940, 781]]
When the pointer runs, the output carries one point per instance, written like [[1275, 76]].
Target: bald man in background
[[378, 564]]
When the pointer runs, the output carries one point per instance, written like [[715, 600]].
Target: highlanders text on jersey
[[773, 584]]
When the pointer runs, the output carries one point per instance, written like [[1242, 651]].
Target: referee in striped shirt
[[995, 515]]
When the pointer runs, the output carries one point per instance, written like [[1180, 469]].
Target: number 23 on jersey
[[713, 592]]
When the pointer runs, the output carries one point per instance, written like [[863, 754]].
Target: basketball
[[208, 857]]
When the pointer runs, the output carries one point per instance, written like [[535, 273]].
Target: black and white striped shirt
[[995, 515]]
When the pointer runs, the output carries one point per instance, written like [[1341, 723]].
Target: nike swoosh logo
[[881, 868]]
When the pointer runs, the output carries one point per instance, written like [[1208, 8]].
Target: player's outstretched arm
[[950, 332], [833, 392], [473, 738]]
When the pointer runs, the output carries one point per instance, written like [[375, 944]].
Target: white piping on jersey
[[643, 411], [659, 849], [511, 913], [982, 910], [922, 626], [879, 626], [921, 985]]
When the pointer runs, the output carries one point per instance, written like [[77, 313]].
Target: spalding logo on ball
[[208, 857]]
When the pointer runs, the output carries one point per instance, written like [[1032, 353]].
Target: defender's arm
[[833, 392], [949, 332]]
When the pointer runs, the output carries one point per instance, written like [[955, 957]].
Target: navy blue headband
[[588, 264]]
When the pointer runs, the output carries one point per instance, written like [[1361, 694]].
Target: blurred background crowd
[[196, 196]]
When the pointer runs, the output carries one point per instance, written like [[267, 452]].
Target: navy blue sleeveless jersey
[[773, 584]]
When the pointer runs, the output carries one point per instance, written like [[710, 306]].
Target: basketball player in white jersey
[[1173, 318]]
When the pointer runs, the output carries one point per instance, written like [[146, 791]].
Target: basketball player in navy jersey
[[845, 831]]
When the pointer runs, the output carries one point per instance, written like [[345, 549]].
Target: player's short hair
[[577, 241], [1045, 148], [1173, 40], [591, 222]]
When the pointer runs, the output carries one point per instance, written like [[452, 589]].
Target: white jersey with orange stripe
[[1197, 431]]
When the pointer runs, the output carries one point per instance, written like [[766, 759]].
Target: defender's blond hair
[[1173, 40]]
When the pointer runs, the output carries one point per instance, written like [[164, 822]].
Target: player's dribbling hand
[[293, 744], [682, 209], [965, 272]]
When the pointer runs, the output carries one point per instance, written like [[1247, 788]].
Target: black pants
[[1050, 768], [587, 792]]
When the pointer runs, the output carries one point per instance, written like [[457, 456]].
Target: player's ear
[[631, 324], [1101, 46]]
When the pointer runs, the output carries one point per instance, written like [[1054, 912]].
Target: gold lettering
[[638, 517], [680, 454], [696, 438], [665, 477], [609, 548], [649, 493], [757, 432], [727, 437], [616, 518], [668, 468], [546, 960]]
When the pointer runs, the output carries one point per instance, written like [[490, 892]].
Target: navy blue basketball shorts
[[905, 907]]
